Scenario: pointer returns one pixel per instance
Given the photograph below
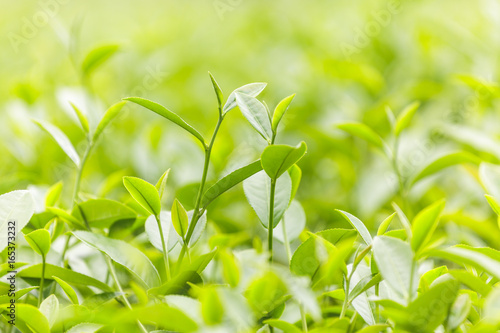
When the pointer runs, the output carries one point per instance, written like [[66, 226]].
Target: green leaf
[[251, 89], [50, 309], [279, 111], [85, 328], [364, 132], [61, 139], [30, 316], [377, 328], [277, 159], [153, 232], [446, 161], [494, 204], [97, 57], [102, 213], [363, 285], [179, 218], [124, 254], [282, 325], [35, 272], [305, 260], [53, 194], [294, 222], [162, 183], [385, 225], [230, 181], [230, 270], [67, 290], [470, 256], [459, 312], [164, 112], [81, 118], [257, 191], [218, 91], [15, 206], [71, 220], [490, 178], [144, 193], [471, 281], [395, 262], [212, 309], [428, 277], [97, 300], [358, 225], [177, 285], [256, 114], [17, 294], [39, 240], [424, 225], [405, 117], [296, 176], [109, 115]]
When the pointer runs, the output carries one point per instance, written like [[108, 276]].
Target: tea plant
[[139, 264]]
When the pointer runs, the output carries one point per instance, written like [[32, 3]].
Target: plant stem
[[164, 247], [285, 238], [196, 212], [120, 289], [303, 318], [346, 296], [42, 282], [271, 219]]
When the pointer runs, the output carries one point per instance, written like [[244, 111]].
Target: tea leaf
[[124, 254], [494, 204], [385, 225], [358, 225], [35, 272], [446, 161], [256, 114], [252, 89], [364, 132], [102, 213], [50, 309], [144, 193], [179, 218], [294, 223], [257, 191], [97, 57], [61, 139], [296, 176], [230, 181], [81, 118], [162, 183], [15, 206], [153, 232], [405, 117], [109, 115], [277, 159], [39, 240], [395, 262], [30, 316], [67, 290], [164, 112], [280, 110], [218, 91], [424, 225]]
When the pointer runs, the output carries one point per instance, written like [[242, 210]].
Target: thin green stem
[[287, 242], [196, 212], [303, 318], [120, 289], [346, 296], [271, 219], [42, 282], [164, 248]]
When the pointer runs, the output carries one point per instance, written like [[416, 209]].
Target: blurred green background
[[345, 60]]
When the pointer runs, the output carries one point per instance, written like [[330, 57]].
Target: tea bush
[[367, 202]]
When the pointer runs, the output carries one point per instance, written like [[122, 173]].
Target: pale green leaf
[[251, 89], [39, 240], [256, 114], [61, 139], [109, 115], [385, 225], [15, 206], [68, 290], [144, 193], [162, 183], [358, 225], [164, 112], [364, 132], [280, 110], [404, 118], [50, 309], [179, 218], [97, 57], [424, 225], [81, 118], [124, 254], [277, 159]]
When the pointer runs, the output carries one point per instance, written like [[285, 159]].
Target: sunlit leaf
[[97, 57], [18, 207], [252, 89], [256, 114], [277, 159], [404, 118], [61, 139], [144, 193], [279, 111], [39, 240]]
